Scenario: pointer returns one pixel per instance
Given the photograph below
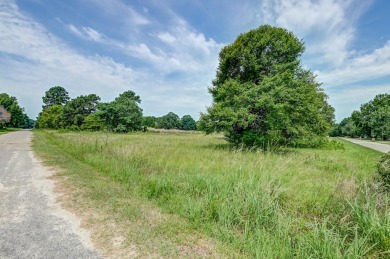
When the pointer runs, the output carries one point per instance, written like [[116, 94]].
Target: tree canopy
[[56, 95], [50, 117], [18, 117], [169, 121], [88, 113], [262, 95], [76, 110], [187, 123], [372, 120], [123, 114]]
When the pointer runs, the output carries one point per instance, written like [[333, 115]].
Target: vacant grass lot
[[302, 203]]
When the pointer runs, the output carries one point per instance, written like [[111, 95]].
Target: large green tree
[[11, 105], [187, 123], [169, 121], [373, 118], [263, 96], [149, 121], [76, 110], [56, 95], [50, 117], [123, 114]]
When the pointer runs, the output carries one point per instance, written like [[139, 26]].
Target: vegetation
[[12, 115], [262, 96], [123, 114], [169, 121], [56, 95], [187, 123], [87, 113], [302, 203], [372, 120], [383, 168], [5, 117]]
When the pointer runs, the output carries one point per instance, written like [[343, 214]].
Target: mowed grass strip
[[291, 203]]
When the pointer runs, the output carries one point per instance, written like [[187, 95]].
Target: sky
[[167, 51]]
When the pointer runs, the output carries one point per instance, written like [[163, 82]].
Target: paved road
[[373, 145], [32, 223]]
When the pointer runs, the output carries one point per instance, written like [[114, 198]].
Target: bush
[[383, 168]]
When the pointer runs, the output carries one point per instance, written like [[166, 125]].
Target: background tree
[[170, 121], [187, 123], [56, 95], [373, 118], [10, 103], [149, 121], [123, 114], [262, 95], [5, 117], [50, 117], [76, 110], [93, 122]]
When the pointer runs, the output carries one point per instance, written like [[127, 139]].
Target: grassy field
[[190, 195]]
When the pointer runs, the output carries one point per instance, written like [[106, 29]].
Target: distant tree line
[[170, 121], [11, 114], [86, 112], [371, 121]]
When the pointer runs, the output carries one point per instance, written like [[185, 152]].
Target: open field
[[192, 195]]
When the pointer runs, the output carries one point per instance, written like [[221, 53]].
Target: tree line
[[372, 120], [87, 112], [11, 114]]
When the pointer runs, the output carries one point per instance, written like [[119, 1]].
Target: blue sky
[[167, 51]]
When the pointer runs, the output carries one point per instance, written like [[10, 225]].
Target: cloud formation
[[35, 59]]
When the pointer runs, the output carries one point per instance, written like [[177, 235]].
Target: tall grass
[[302, 203]]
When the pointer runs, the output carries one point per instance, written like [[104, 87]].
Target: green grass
[[7, 130], [302, 203]]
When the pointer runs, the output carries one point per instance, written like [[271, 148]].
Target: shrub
[[383, 168]]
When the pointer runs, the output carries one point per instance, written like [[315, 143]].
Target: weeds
[[309, 203]]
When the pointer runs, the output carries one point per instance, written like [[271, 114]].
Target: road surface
[[384, 148], [32, 223]]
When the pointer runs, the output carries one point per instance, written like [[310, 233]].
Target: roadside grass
[[302, 203], [7, 130]]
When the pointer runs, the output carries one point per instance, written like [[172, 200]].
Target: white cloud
[[120, 10], [327, 26], [87, 33], [180, 49], [34, 59], [360, 68]]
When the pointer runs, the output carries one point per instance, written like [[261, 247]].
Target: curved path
[[384, 148], [32, 223]]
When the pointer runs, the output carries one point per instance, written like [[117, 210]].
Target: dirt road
[[384, 148], [32, 223]]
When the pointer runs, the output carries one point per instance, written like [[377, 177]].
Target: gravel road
[[32, 223], [384, 148]]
